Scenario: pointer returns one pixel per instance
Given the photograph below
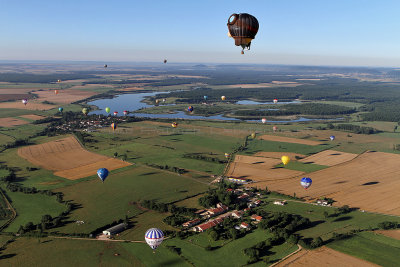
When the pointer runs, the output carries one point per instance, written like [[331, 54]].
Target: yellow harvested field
[[278, 155], [10, 122], [390, 233], [64, 96], [261, 85], [32, 105], [68, 159], [323, 256], [369, 182], [259, 169], [276, 138], [329, 158], [32, 117]]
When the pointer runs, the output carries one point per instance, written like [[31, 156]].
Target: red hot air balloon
[[115, 113], [125, 112]]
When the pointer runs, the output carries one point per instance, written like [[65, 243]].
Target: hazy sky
[[320, 32]]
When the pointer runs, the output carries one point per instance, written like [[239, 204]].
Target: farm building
[[239, 180], [115, 229], [237, 214], [207, 225], [191, 223], [282, 203], [256, 217], [244, 225]]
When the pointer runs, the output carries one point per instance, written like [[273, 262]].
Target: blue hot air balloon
[[154, 237], [306, 182], [332, 137], [102, 173], [60, 109], [190, 108]]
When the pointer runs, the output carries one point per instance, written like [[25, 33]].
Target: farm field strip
[[329, 158], [283, 139], [11, 122]]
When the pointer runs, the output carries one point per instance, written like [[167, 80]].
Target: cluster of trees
[[4, 211], [386, 225], [352, 128], [297, 109], [203, 157], [169, 168], [220, 194], [172, 208], [226, 230]]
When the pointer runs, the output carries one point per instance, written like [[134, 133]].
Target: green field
[[300, 166], [104, 203], [31, 208], [372, 247]]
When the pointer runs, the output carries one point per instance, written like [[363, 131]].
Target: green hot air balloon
[[85, 111], [108, 109], [60, 109]]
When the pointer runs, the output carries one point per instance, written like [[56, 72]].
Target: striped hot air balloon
[[154, 237], [305, 182], [113, 126]]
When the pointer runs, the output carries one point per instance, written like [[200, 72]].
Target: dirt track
[[323, 256], [68, 159]]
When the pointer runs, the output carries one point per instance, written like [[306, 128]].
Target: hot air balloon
[[227, 155], [190, 108], [157, 101], [306, 182], [205, 97], [60, 109], [58, 81], [154, 237], [165, 61], [274, 128], [174, 124], [125, 112], [164, 100], [115, 113], [275, 101], [285, 160], [85, 111], [243, 28], [113, 126], [105, 66], [102, 173], [223, 98], [263, 120], [332, 137], [253, 135], [25, 101], [56, 92], [108, 109]]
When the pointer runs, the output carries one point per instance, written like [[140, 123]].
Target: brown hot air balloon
[[243, 28]]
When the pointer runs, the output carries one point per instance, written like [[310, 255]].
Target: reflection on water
[[132, 102]]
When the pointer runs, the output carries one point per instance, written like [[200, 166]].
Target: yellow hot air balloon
[[253, 135], [285, 160], [157, 101], [174, 124], [85, 111], [223, 97], [227, 155]]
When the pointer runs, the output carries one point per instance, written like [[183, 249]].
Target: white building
[[115, 229]]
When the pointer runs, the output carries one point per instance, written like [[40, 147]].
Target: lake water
[[133, 102]]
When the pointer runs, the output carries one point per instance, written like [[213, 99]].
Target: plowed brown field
[[329, 158], [32, 117], [278, 155], [68, 159], [390, 233], [276, 138], [370, 182], [323, 256], [10, 122], [64, 96], [259, 169], [32, 105]]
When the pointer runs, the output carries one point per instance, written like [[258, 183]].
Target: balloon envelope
[[223, 97], [113, 126], [85, 111], [305, 182], [190, 108], [102, 173], [115, 113], [243, 28], [253, 135], [275, 101], [60, 109], [25, 101], [332, 137], [108, 109], [227, 155], [174, 124], [205, 97], [154, 237], [263, 120], [285, 160], [56, 92]]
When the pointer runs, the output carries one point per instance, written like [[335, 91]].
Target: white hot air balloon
[[154, 237]]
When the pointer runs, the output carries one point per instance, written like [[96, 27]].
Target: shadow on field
[[341, 182], [148, 173], [7, 256], [341, 219], [308, 162], [258, 162], [171, 263], [371, 183]]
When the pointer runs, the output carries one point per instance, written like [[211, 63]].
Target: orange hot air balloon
[[174, 124], [223, 98], [113, 126], [56, 92]]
